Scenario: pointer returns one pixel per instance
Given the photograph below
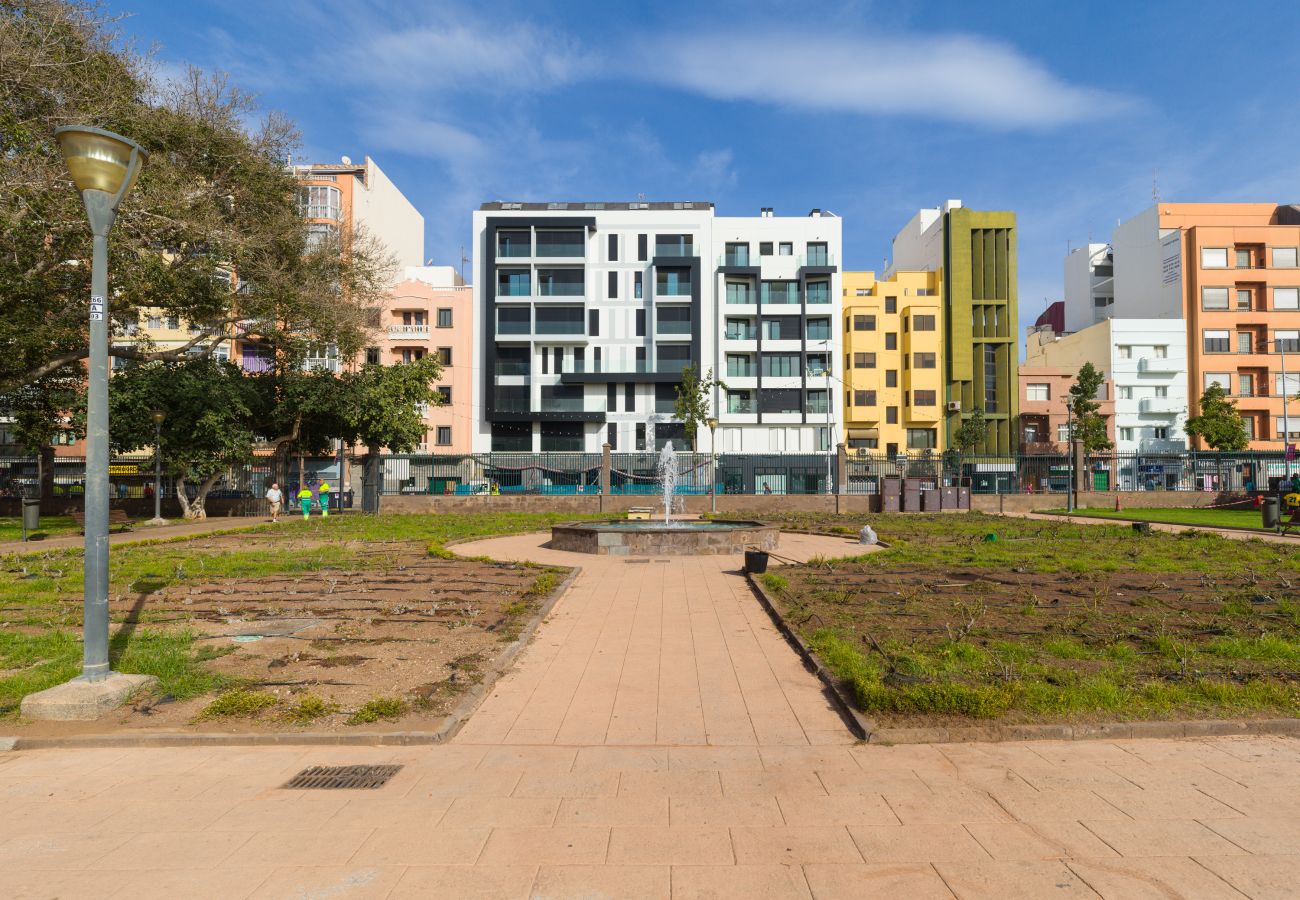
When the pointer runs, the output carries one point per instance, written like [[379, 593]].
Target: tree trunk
[[195, 509]]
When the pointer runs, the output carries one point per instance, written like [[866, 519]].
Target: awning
[[864, 434]]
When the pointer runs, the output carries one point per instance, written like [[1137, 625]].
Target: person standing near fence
[[324, 499], [275, 498], [304, 500]]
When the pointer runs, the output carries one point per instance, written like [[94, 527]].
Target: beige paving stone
[[318, 847], [794, 845], [1013, 880], [674, 846], [561, 845], [60, 851], [465, 883], [379, 812], [670, 784], [201, 884], [1044, 840], [840, 809], [594, 882], [725, 812], [21, 883], [761, 882], [896, 781], [281, 811], [916, 843], [914, 881], [164, 815], [396, 846], [804, 758], [351, 882], [548, 759], [1056, 806], [958, 805], [1168, 837], [1258, 877], [497, 782], [1157, 878], [1167, 803], [567, 784], [622, 759], [1263, 835], [173, 850], [610, 811], [500, 811], [54, 816], [767, 783]]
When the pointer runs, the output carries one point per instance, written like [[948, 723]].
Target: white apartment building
[[586, 314], [1089, 286], [1146, 361]]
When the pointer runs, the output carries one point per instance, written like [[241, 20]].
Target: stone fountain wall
[[588, 538]]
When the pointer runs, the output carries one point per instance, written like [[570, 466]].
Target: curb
[[866, 730], [468, 703]]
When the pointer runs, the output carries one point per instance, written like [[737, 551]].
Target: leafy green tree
[[380, 405], [693, 406], [212, 232], [972, 434], [1089, 423], [208, 427], [1218, 424]]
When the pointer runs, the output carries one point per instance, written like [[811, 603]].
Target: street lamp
[[158, 417], [712, 422], [104, 167]]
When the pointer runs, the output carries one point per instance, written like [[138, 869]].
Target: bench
[[640, 512], [115, 517]]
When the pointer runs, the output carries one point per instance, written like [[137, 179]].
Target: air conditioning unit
[[954, 406]]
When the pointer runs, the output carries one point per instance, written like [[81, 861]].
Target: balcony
[[675, 250], [817, 260], [1041, 448], [397, 332], [1161, 406], [737, 260], [1159, 365]]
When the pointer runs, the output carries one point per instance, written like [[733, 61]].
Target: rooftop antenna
[[640, 197], [463, 259], [1155, 186]]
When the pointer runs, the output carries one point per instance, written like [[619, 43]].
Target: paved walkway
[[658, 740], [141, 532]]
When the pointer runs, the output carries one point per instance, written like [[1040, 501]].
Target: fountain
[[666, 538]]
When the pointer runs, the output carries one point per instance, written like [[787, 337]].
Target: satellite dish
[[347, 160]]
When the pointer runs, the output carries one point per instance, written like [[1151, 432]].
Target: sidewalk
[[141, 532]]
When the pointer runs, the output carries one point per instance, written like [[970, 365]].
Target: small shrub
[[389, 708], [544, 583], [309, 709], [943, 698], [774, 582], [239, 703]]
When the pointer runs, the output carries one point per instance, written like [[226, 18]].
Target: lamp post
[[158, 417], [104, 167], [713, 464]]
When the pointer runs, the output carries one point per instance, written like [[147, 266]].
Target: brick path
[[658, 741]]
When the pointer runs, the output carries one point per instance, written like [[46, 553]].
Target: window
[[409, 354], [737, 254], [1288, 388], [612, 290], [864, 398], [1214, 298], [784, 400], [891, 415], [740, 330], [173, 323], [1216, 341], [593, 323], [665, 398], [1245, 384], [444, 395], [740, 365], [514, 320], [891, 378], [1162, 390], [443, 437], [781, 365], [1214, 257], [819, 329], [891, 340], [513, 284], [891, 305], [640, 360], [864, 360], [611, 397], [1160, 351], [319, 201], [1284, 257], [640, 435], [1243, 259], [560, 320], [642, 245], [595, 364], [921, 439], [819, 402], [673, 282], [613, 247], [567, 242], [817, 255], [1126, 434], [673, 320], [636, 286], [924, 360], [924, 398], [862, 292], [765, 248], [1287, 341], [674, 245], [560, 283], [513, 361], [785, 248], [818, 363], [629, 397], [864, 323], [1245, 342], [739, 292], [1222, 379], [1160, 433], [740, 402], [1038, 391], [923, 323], [1125, 392], [611, 435], [1124, 351], [1286, 298], [514, 243], [558, 436], [153, 322], [781, 328], [1063, 433], [1244, 299], [990, 378], [818, 292], [779, 292], [444, 318], [640, 323], [372, 356]]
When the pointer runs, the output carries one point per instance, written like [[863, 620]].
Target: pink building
[[1044, 409], [429, 312]]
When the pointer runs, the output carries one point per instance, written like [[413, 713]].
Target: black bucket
[[756, 561]]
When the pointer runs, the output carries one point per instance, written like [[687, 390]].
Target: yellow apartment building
[[893, 362]]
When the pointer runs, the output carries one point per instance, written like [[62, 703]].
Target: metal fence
[[698, 473]]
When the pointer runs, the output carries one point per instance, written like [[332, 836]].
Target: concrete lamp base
[[156, 522], [81, 701]]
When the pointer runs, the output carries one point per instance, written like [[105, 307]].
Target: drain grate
[[343, 777]]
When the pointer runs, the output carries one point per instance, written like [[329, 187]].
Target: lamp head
[[711, 422], [100, 160], [158, 416]]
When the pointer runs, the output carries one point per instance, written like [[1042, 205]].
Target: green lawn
[[1214, 518], [11, 527], [40, 591]]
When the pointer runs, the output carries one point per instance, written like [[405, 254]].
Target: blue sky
[[1063, 112]]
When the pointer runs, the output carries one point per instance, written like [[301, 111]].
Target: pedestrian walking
[[324, 499], [275, 498], [304, 500]]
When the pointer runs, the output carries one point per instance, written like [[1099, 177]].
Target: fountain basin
[[622, 538]]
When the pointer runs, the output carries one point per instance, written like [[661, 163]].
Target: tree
[[1218, 424], [381, 403], [972, 434], [208, 426], [693, 407], [212, 233], [1089, 423]]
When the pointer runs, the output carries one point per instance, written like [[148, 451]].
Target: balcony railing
[[816, 259], [677, 250], [1160, 364], [406, 331], [1161, 406], [734, 259]]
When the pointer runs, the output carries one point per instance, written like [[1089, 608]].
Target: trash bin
[[1270, 509], [756, 561], [31, 513]]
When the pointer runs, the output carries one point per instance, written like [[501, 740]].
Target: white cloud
[[956, 78], [713, 170]]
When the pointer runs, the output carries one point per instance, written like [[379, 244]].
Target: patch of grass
[[1210, 518], [308, 709], [545, 583], [774, 582], [238, 703], [390, 708], [11, 527]]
